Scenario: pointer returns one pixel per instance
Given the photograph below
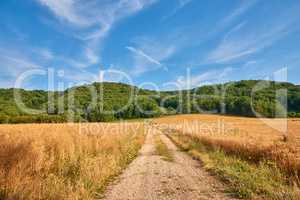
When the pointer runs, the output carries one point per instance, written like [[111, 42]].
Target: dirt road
[[149, 177]]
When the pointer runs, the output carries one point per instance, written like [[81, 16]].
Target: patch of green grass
[[245, 180], [162, 149], [248, 180]]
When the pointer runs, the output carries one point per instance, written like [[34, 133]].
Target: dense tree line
[[111, 101]]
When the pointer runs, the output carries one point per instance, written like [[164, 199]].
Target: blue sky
[[157, 43]]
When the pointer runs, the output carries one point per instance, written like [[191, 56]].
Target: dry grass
[[251, 130], [243, 179], [63, 161], [162, 149], [250, 139]]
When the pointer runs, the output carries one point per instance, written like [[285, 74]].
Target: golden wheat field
[[77, 161], [252, 139], [243, 129], [64, 161]]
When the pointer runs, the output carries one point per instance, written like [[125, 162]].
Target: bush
[[38, 119], [4, 119]]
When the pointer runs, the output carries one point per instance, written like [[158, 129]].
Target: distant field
[[64, 161], [243, 129]]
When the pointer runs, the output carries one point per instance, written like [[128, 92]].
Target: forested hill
[[89, 102]]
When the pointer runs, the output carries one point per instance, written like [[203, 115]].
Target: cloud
[[143, 54], [242, 41], [235, 29], [149, 55], [67, 10], [12, 67], [93, 19], [208, 77], [191, 36], [97, 16], [180, 4], [244, 6], [43, 53], [13, 64], [16, 62], [67, 61], [91, 56], [79, 76]]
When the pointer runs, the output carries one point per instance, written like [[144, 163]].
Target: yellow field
[[250, 130], [64, 161], [249, 138], [76, 161]]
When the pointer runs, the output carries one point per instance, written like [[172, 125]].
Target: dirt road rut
[[149, 177]]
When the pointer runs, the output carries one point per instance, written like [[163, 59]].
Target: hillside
[[128, 102]]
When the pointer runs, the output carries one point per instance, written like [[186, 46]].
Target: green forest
[[102, 102]]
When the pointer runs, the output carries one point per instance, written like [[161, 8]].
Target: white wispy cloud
[[104, 15], [238, 46], [183, 3], [13, 64], [243, 7], [66, 10], [93, 19], [144, 55], [193, 36], [234, 29], [149, 55], [44, 53], [78, 76], [242, 41], [180, 5], [208, 77], [91, 56]]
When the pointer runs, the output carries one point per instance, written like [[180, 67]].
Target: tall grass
[[249, 139], [263, 180], [162, 149], [282, 154], [61, 162]]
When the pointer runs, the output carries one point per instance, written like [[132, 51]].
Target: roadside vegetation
[[162, 149], [60, 162], [246, 177]]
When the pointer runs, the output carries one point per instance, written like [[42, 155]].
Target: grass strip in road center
[[162, 149]]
